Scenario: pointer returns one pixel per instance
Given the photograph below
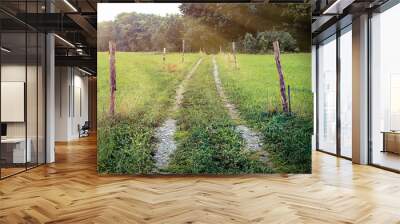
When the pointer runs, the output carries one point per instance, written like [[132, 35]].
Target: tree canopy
[[211, 26]]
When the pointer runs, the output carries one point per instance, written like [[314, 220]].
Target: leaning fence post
[[281, 77], [113, 84]]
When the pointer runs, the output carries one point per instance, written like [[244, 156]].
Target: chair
[[84, 130]]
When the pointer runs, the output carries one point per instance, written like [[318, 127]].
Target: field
[[254, 89], [144, 83], [145, 90], [206, 137]]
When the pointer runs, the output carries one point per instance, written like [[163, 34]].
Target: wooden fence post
[[183, 51], [164, 51], [234, 52], [281, 77], [290, 106], [113, 84]]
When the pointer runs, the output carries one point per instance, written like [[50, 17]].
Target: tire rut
[[164, 134], [252, 138]]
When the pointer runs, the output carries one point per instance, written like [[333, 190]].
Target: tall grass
[[143, 81], [255, 85], [145, 93], [254, 88]]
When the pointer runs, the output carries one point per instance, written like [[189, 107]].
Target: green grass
[[254, 86], [208, 142], [145, 93], [143, 81], [206, 136], [254, 89]]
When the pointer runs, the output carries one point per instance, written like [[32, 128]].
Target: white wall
[[62, 81], [9, 73], [34, 125], [81, 84], [17, 73], [71, 87]]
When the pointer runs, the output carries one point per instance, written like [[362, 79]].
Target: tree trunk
[[113, 84], [281, 77]]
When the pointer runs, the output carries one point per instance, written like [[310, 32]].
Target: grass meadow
[[206, 139], [144, 83], [145, 91], [254, 89]]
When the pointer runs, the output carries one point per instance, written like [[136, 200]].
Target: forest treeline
[[212, 27]]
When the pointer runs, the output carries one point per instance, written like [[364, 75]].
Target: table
[[391, 141], [13, 150]]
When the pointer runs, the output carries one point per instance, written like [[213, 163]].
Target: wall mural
[[204, 88]]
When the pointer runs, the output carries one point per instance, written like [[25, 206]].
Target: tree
[[249, 43], [104, 35], [266, 38], [263, 42], [210, 26]]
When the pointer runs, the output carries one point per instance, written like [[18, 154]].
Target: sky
[[108, 11]]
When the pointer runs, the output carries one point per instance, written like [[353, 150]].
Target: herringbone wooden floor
[[70, 191]]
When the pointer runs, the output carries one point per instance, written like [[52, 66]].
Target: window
[[22, 88], [346, 92], [327, 95], [385, 89]]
